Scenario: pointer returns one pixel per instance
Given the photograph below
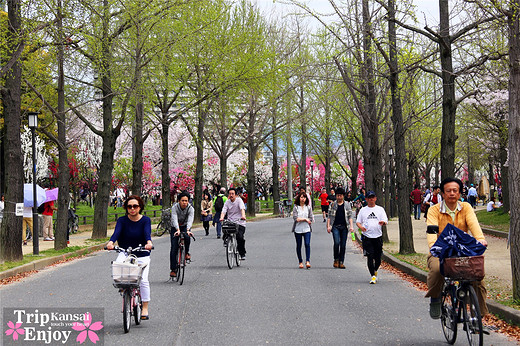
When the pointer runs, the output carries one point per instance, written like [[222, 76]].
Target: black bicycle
[[127, 277], [181, 259], [460, 305], [230, 229], [164, 225]]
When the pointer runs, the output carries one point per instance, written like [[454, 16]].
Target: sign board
[[19, 209]]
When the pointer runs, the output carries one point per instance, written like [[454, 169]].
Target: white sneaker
[[373, 280]]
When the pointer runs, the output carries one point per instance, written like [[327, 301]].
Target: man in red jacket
[[416, 198]]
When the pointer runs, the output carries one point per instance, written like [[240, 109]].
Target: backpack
[[219, 204], [41, 208]]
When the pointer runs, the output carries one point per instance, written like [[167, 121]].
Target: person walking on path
[[48, 212], [27, 221], [462, 216], [370, 220], [472, 196], [340, 217], [235, 211], [132, 230], [205, 211], [218, 203], [416, 198], [324, 204], [432, 198], [303, 217], [182, 220]]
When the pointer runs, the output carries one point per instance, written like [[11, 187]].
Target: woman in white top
[[303, 217]]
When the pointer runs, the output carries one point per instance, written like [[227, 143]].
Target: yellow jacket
[[465, 219]]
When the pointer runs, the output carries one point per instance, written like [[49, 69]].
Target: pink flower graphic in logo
[[14, 329], [87, 328]]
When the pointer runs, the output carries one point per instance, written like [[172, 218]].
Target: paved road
[[267, 300]]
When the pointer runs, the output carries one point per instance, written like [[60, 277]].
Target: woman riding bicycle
[[133, 230]]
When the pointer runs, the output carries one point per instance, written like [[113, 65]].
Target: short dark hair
[[138, 199], [436, 187], [183, 194], [416, 186], [232, 189], [340, 191], [451, 180], [297, 199]]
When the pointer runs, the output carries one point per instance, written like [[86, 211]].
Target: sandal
[[308, 264], [145, 317], [301, 266]]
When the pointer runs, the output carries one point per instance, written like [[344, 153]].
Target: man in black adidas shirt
[[370, 220]]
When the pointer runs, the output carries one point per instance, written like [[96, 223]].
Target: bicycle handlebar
[[129, 250]]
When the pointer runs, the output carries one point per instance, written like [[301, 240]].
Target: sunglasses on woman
[[132, 206]]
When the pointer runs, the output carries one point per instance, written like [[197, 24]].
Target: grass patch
[[418, 260], [43, 254], [497, 220]]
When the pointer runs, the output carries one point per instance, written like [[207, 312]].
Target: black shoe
[[218, 237]]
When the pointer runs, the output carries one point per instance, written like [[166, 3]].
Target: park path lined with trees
[[199, 94]]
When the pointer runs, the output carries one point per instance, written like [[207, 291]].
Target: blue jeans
[[339, 234], [307, 238], [174, 250], [218, 224], [417, 211]]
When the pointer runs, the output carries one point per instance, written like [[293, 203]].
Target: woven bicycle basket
[[229, 227], [465, 268], [125, 274]]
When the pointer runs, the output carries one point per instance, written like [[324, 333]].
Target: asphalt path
[[267, 300]]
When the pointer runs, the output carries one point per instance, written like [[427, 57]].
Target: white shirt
[[490, 206], [369, 218], [302, 227], [1, 209]]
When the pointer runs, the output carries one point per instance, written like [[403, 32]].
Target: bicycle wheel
[[237, 255], [472, 318], [163, 230], [182, 264], [138, 307], [127, 310], [230, 252], [449, 314]]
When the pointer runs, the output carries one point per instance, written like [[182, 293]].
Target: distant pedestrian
[[205, 211], [48, 212], [339, 223], [324, 204], [370, 220], [432, 198], [218, 204], [303, 217], [27, 221], [416, 198], [472, 196]]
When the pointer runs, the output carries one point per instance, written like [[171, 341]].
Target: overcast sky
[[428, 9]]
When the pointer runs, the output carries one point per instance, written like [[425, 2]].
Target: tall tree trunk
[[354, 166], [199, 169], [223, 164], [506, 193], [11, 231], [64, 173], [106, 166], [251, 182], [276, 167], [371, 151], [165, 168], [405, 223], [138, 141], [303, 159], [449, 104], [514, 144]]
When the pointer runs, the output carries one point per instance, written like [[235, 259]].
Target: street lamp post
[[33, 124], [312, 181], [392, 191]]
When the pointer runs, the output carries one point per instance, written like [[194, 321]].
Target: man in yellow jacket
[[462, 216]]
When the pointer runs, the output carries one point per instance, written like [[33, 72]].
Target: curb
[[44, 262], [505, 312], [499, 234]]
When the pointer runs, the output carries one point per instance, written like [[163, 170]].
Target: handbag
[[424, 207]]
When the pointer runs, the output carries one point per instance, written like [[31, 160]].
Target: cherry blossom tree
[[42, 158]]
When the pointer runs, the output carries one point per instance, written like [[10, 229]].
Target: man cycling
[[182, 220], [235, 210], [462, 216]]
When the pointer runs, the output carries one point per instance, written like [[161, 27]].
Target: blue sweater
[[130, 233]]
